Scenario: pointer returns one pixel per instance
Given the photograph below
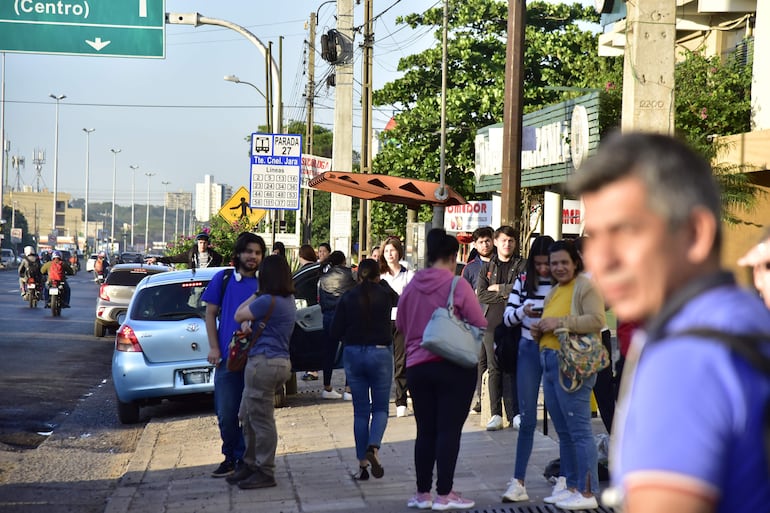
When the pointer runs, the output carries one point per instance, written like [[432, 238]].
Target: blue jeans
[[528, 374], [228, 390], [369, 369], [571, 415]]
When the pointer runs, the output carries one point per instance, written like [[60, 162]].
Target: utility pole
[[133, 167], [441, 193], [307, 193], [364, 218], [165, 183], [510, 208], [342, 152], [648, 66]]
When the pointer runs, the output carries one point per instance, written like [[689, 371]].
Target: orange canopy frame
[[391, 189]]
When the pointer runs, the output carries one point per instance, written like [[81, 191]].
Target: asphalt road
[[47, 364], [62, 448]]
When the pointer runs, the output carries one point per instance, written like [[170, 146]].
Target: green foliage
[[222, 236], [713, 97], [27, 238], [558, 53]]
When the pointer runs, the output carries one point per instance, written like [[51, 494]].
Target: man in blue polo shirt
[[688, 429], [223, 295]]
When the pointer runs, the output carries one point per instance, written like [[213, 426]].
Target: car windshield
[[170, 302], [127, 277]]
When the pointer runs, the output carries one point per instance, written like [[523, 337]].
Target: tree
[[713, 97], [559, 53]]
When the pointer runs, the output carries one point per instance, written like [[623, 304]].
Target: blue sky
[[177, 117], [120, 97]]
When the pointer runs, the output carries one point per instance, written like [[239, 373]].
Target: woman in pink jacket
[[441, 391]]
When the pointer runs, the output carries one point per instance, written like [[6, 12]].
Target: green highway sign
[[112, 28]]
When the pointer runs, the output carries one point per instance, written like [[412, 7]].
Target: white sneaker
[[401, 411], [516, 492], [516, 422], [347, 396], [559, 485], [331, 394], [578, 501], [495, 423], [559, 496]]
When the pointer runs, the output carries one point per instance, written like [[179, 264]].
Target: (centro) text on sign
[[123, 28]]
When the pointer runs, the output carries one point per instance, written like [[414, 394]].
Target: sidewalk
[[170, 470]]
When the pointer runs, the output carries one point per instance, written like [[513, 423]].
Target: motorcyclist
[[101, 265], [29, 267], [57, 270]]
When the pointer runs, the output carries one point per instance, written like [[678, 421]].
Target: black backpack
[[507, 342]]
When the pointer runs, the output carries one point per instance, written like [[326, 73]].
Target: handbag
[[580, 357], [451, 338], [240, 345]]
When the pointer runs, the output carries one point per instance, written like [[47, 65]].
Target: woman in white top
[[525, 307], [397, 276]]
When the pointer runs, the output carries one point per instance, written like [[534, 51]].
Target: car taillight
[[103, 292], [126, 340]]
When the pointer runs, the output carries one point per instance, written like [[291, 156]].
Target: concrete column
[[342, 149], [552, 215], [648, 69], [760, 87]]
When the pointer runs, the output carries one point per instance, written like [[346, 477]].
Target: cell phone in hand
[[537, 309]]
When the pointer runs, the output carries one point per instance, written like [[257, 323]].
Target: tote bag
[[451, 338]]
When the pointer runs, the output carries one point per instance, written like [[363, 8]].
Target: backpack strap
[[225, 280], [748, 347]]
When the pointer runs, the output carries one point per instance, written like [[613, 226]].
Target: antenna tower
[[38, 160], [17, 162]]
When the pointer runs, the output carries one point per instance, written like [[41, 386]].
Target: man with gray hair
[[688, 429]]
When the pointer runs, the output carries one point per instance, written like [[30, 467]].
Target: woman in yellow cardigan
[[575, 304]]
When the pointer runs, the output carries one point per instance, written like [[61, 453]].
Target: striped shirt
[[519, 298]]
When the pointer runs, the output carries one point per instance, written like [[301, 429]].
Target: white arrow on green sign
[[112, 28]]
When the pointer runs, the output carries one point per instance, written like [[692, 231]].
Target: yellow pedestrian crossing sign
[[237, 208]]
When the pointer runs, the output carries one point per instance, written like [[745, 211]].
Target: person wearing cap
[[200, 256], [58, 269], [758, 258]]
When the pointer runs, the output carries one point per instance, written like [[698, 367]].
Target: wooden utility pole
[[364, 218], [510, 211], [307, 193], [648, 66]]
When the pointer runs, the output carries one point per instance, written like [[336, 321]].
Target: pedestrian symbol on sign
[[262, 145]]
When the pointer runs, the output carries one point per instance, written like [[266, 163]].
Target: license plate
[[53, 292], [31, 286], [196, 376]]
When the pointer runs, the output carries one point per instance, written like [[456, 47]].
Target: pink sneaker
[[451, 501], [421, 501]]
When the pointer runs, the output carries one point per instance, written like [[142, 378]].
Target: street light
[[114, 181], [164, 211], [235, 79], [58, 99], [88, 165], [147, 219], [133, 188]]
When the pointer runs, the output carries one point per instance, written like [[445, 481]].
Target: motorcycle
[[55, 293], [75, 263], [99, 278], [31, 292]]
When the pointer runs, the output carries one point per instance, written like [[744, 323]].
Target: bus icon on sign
[[261, 145]]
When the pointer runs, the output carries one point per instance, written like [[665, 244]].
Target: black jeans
[[604, 390], [399, 368], [441, 398], [494, 377]]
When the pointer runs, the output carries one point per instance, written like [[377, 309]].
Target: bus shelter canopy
[[392, 189]]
